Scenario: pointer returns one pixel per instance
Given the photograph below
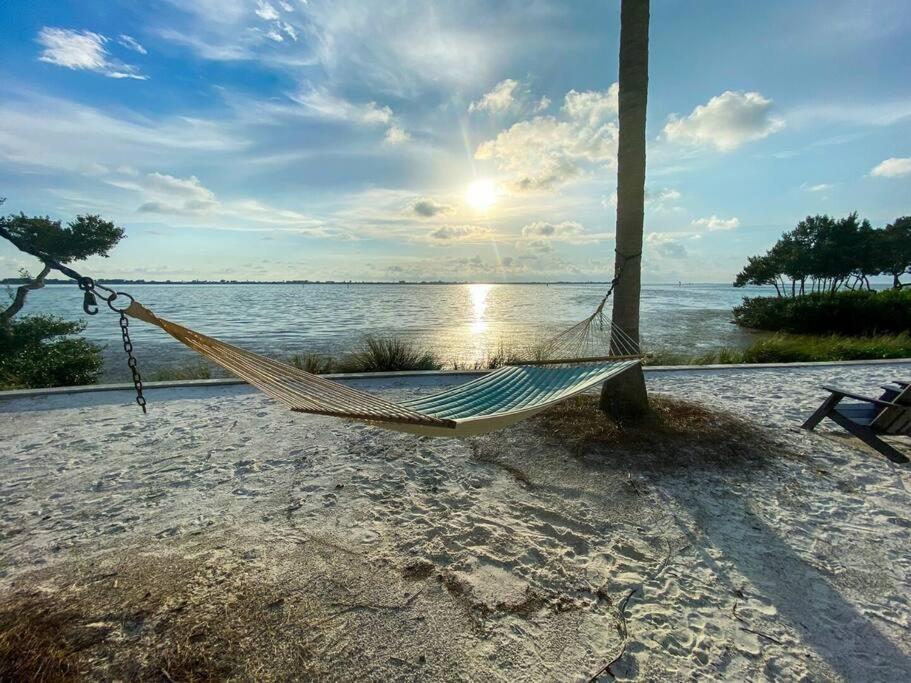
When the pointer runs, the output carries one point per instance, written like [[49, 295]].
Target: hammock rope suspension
[[496, 400], [555, 371]]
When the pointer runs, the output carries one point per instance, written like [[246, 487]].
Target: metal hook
[[89, 303]]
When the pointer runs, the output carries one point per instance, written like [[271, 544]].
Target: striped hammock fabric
[[496, 400]]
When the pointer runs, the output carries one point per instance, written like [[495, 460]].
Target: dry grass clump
[[220, 608], [154, 619], [40, 639], [673, 430]]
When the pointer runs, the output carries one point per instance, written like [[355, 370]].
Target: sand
[[511, 556]]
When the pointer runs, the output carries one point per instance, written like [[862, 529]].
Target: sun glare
[[481, 194]]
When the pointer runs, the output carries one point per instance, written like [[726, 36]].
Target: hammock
[[496, 400]]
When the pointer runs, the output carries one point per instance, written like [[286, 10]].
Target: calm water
[[459, 322]]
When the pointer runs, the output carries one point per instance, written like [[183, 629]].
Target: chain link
[[131, 360]]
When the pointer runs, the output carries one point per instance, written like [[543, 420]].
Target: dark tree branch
[[22, 292]]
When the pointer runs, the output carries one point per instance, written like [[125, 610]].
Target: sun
[[481, 194]]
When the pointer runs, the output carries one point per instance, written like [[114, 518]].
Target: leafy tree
[[867, 250], [830, 254], [895, 250], [760, 270], [43, 237], [41, 350]]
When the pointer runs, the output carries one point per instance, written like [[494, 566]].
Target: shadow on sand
[[824, 619]]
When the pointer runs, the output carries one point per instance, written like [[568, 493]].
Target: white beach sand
[[380, 555]]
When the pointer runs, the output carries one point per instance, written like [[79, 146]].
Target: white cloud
[[663, 200], [566, 231], [82, 50], [498, 100], [73, 49], [265, 11], [667, 194], [892, 167], [208, 48], [161, 193], [668, 245], [593, 107], [881, 112], [131, 44], [289, 30], [460, 233], [49, 132], [394, 47], [429, 208], [542, 104], [714, 223], [545, 151], [275, 36], [726, 122], [323, 104], [820, 187], [396, 135], [167, 194], [188, 188]]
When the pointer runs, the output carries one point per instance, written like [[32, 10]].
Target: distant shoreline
[[116, 281]]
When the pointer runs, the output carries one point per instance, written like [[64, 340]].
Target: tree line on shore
[[825, 254]]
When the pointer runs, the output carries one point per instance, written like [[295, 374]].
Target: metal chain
[[131, 360], [92, 291]]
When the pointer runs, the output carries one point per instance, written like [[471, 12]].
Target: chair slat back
[[904, 396], [895, 420]]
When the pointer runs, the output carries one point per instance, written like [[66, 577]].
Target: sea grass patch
[[675, 431], [226, 607]]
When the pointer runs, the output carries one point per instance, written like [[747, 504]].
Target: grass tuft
[[178, 373], [313, 363], [388, 354]]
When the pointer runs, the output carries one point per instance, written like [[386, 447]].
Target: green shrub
[[802, 348], [860, 312], [388, 354], [39, 351], [178, 373]]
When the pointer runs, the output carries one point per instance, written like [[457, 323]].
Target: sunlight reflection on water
[[479, 305], [460, 323]]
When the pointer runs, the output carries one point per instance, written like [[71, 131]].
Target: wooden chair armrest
[[865, 399]]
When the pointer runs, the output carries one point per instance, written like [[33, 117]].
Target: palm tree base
[[624, 397]]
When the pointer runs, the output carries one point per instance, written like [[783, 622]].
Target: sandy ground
[[500, 557]]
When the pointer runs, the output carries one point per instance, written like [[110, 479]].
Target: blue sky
[[263, 139]]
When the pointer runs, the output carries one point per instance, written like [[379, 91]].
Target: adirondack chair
[[867, 417]]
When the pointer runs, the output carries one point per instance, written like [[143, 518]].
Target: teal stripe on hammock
[[512, 388]]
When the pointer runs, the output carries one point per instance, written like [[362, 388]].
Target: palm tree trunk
[[626, 396]]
